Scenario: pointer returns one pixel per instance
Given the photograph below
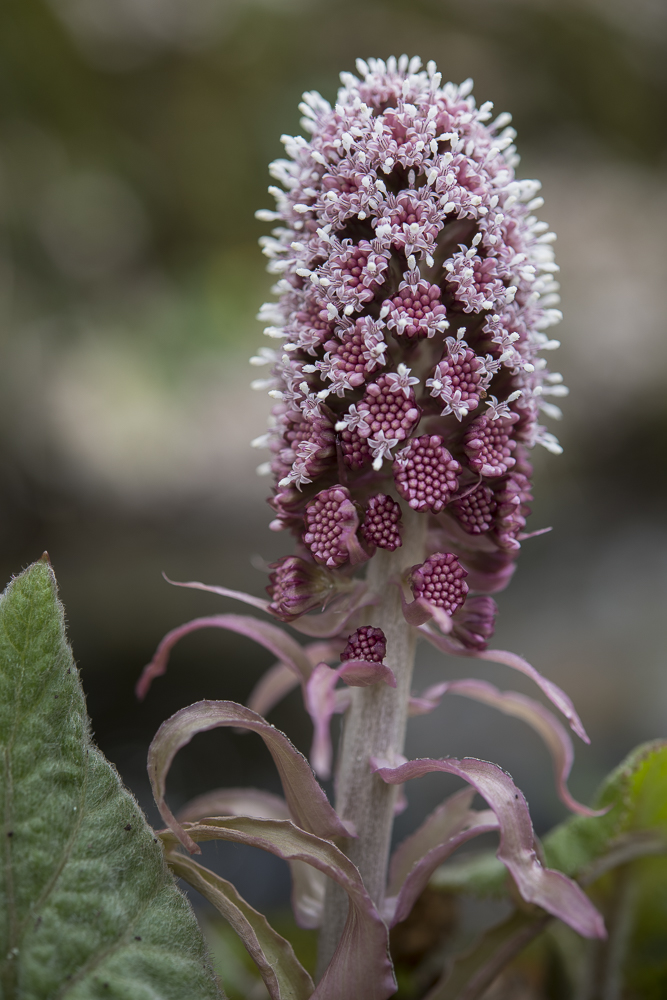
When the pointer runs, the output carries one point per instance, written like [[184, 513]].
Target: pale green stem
[[374, 726]]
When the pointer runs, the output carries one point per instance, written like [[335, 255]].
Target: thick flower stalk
[[414, 297]]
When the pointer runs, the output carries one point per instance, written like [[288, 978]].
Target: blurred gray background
[[134, 142]]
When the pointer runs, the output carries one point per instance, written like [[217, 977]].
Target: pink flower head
[[353, 273], [382, 522], [476, 281], [331, 523], [512, 497], [474, 622], [459, 379], [388, 414], [411, 222], [426, 475], [296, 587], [354, 354], [489, 445], [310, 325], [367, 643], [306, 448], [440, 582], [475, 511], [348, 192], [416, 310], [416, 292]]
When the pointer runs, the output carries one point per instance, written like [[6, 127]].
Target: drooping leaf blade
[[555, 694], [308, 883], [87, 905], [360, 966], [518, 705], [550, 889], [307, 802], [284, 976], [266, 634]]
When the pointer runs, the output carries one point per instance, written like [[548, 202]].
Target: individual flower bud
[[489, 445], [367, 643], [440, 582], [332, 522], [475, 510], [512, 497], [388, 414], [474, 622], [426, 475], [382, 523], [297, 586], [457, 379]]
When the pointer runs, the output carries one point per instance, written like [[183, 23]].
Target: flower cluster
[[415, 291]]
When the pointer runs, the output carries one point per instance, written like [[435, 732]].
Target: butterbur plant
[[415, 295], [415, 291]]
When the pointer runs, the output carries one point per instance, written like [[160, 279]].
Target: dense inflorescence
[[441, 582], [415, 291], [367, 643]]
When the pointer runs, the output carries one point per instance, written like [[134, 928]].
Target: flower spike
[[414, 288]]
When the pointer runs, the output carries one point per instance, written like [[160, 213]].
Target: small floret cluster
[[441, 582], [415, 293], [367, 643]]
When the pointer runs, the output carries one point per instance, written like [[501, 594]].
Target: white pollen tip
[[377, 464]]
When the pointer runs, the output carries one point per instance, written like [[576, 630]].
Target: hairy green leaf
[[88, 907]]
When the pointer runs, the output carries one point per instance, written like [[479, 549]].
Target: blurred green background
[[134, 142]]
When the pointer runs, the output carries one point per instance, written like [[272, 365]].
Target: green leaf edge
[[160, 950]]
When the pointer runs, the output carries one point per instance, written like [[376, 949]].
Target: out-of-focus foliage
[[622, 857]]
